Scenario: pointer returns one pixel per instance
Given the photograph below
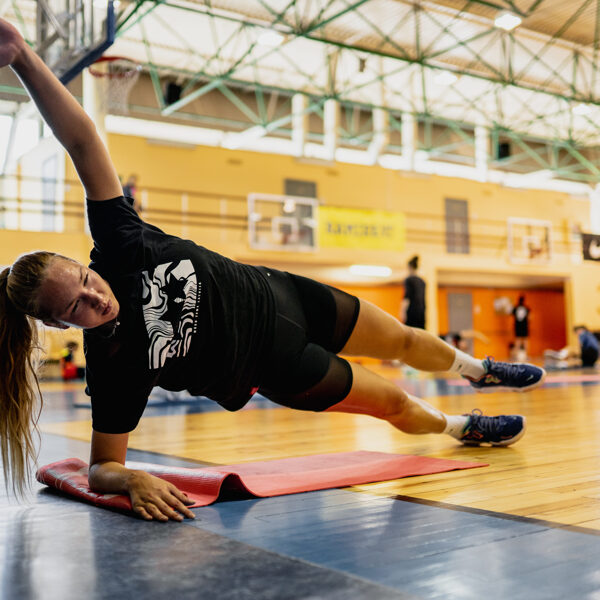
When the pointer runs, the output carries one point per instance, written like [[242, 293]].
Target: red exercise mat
[[260, 479]]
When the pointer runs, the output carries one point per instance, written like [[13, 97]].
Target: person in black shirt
[[521, 314], [159, 310], [412, 311]]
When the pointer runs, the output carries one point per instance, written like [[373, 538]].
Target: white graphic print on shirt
[[170, 303], [521, 313]]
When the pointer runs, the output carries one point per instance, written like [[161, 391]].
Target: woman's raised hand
[[11, 43], [155, 498]]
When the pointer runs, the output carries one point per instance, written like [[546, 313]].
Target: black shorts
[[313, 323], [522, 330]]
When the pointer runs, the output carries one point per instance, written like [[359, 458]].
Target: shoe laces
[[481, 422], [504, 369]]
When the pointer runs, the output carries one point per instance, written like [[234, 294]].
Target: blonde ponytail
[[20, 397]]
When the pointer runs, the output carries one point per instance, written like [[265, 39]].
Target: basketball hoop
[[116, 77]]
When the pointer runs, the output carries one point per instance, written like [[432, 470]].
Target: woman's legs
[[377, 397], [379, 335], [305, 372]]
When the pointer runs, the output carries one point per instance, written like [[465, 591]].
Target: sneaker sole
[[512, 440], [502, 388]]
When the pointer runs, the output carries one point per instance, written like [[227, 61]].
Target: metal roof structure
[[366, 70]]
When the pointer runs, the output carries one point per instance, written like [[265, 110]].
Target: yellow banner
[[353, 228]]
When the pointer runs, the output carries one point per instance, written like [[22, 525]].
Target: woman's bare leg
[[377, 397], [379, 335]]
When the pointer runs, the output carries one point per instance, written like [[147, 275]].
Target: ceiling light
[[270, 38], [370, 270], [445, 78], [507, 21]]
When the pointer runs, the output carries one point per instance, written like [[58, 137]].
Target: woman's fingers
[[154, 498], [176, 499], [149, 512], [167, 511], [163, 510], [140, 510], [181, 496], [11, 43], [156, 512]]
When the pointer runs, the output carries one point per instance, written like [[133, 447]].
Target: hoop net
[[115, 77]]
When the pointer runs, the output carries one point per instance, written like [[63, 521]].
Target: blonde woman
[[159, 310]]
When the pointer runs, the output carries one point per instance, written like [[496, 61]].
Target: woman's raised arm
[[67, 119]]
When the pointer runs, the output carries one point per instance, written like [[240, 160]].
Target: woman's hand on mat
[[155, 498], [11, 43]]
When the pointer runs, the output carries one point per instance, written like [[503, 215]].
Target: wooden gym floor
[[526, 526]]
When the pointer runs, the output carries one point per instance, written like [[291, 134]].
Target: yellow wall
[[225, 178]]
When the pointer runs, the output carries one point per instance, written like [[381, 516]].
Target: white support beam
[[595, 209], [331, 120], [94, 102], [299, 123], [381, 134], [409, 135], [10, 143], [482, 151]]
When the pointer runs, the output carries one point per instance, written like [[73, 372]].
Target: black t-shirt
[[414, 292], [189, 319], [521, 315]]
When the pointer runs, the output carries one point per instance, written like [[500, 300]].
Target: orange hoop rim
[[135, 67]]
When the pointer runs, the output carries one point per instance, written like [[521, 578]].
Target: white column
[[94, 102], [409, 134], [381, 134], [595, 210], [299, 123], [482, 151], [330, 127]]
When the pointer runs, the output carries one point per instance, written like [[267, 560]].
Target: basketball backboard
[[72, 34], [287, 223], [529, 240]]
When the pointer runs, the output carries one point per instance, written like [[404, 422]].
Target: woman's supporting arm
[[151, 497], [67, 119]]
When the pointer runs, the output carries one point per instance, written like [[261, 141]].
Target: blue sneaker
[[512, 377], [502, 430]]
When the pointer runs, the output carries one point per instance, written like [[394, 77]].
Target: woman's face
[[76, 296]]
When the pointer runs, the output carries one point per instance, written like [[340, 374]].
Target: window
[[457, 226]]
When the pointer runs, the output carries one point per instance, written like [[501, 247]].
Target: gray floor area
[[426, 551]]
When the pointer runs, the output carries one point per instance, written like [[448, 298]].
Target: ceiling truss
[[536, 88]]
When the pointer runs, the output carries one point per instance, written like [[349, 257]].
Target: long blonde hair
[[20, 397]]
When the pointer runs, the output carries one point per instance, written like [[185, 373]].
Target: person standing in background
[[521, 315], [130, 190], [412, 310]]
